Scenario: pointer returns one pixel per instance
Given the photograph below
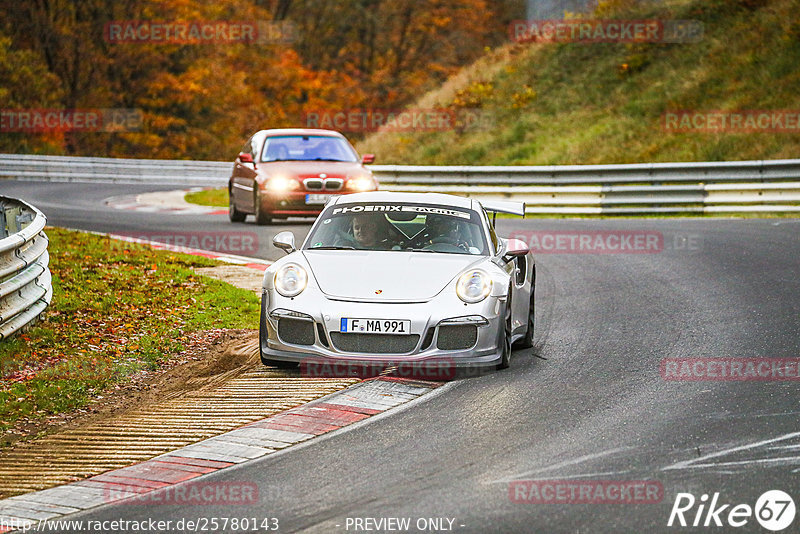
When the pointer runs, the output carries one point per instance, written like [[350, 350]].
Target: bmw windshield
[[307, 148]]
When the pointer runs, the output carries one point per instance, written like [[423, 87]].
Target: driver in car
[[443, 229], [370, 232]]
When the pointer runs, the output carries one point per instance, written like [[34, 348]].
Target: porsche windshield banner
[[422, 210]]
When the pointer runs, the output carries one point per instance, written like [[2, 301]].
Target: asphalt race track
[[81, 206], [588, 403]]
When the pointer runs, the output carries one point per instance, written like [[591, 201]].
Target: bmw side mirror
[[247, 160], [514, 249], [285, 242], [368, 158]]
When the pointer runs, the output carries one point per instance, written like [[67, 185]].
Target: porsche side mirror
[[368, 158], [284, 241], [514, 249]]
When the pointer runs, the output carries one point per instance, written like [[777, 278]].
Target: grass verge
[[209, 197], [118, 308]]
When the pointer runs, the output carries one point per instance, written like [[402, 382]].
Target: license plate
[[375, 326], [317, 198]]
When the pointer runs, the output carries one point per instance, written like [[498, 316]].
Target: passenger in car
[[277, 152]]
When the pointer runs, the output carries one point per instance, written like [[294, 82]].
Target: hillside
[[585, 103]]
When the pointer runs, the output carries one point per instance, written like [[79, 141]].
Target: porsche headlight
[[291, 280], [282, 183], [473, 286]]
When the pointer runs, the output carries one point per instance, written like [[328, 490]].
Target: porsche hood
[[369, 276]]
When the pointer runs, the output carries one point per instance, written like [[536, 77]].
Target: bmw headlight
[[473, 286], [291, 280], [361, 183], [282, 183]]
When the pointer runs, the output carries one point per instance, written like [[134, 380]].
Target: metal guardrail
[[737, 186], [696, 187], [113, 170], [25, 282]]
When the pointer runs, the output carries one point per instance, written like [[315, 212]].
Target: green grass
[[117, 308], [209, 197], [602, 103]]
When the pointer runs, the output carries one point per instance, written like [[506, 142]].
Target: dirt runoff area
[[218, 386], [213, 357]]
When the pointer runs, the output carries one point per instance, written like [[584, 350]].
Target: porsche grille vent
[[374, 343], [296, 332], [457, 337]]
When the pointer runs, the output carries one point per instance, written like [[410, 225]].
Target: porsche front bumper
[[445, 332]]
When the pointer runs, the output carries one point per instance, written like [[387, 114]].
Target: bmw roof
[[300, 131]]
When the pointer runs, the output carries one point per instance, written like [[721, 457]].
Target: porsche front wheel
[[505, 339], [527, 340]]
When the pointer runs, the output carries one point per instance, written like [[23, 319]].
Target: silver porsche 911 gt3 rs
[[399, 277]]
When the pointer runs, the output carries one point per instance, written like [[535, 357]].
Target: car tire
[[261, 217], [279, 363], [505, 359], [527, 340], [262, 341], [233, 214]]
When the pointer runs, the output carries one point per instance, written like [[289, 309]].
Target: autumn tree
[[201, 100], [394, 47]]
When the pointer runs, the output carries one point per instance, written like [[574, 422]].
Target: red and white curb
[[255, 440], [163, 202]]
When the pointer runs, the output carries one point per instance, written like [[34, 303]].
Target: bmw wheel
[[233, 214], [262, 217]]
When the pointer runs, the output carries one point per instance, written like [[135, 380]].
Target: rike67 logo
[[774, 510]]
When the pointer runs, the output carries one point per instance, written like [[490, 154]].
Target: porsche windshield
[[307, 148], [400, 227]]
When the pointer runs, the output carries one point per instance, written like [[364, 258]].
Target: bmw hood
[[303, 169], [370, 276]]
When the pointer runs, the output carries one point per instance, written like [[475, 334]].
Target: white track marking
[[788, 459], [565, 463], [694, 461]]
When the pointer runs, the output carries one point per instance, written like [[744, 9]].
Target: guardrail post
[[3, 228]]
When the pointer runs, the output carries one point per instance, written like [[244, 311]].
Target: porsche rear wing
[[504, 206]]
